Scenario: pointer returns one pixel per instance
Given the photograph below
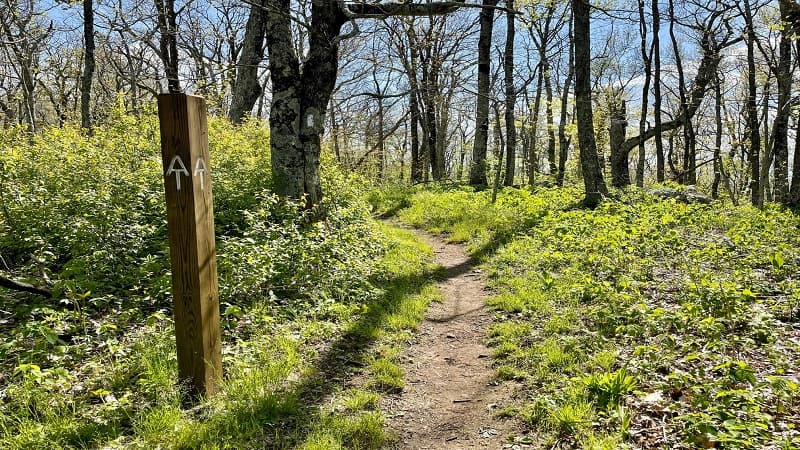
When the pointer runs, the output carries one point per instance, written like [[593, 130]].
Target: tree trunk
[[620, 174], [717, 138], [563, 140], [647, 58], [168, 43], [25, 287], [794, 192], [88, 64], [767, 153], [498, 145], [687, 174], [477, 176], [751, 109], [548, 114], [436, 161], [534, 132], [594, 184], [381, 140], [300, 100], [511, 96], [416, 159], [246, 88], [659, 143], [28, 85], [461, 154], [781, 126]]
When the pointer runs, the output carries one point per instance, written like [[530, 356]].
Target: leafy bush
[[96, 363], [697, 300]]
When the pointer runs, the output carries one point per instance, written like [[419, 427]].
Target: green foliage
[[607, 389], [303, 303], [697, 302]]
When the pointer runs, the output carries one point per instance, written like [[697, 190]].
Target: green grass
[[279, 379], [611, 316]]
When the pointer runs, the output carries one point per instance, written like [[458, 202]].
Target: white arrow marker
[[180, 170], [200, 170]]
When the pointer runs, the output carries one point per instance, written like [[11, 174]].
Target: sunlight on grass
[[605, 314]]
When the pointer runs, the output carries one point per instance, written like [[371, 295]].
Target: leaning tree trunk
[[477, 173], [246, 88], [593, 181]]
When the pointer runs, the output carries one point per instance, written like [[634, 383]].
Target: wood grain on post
[[190, 216]]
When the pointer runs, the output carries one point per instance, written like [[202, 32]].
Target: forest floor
[[452, 397]]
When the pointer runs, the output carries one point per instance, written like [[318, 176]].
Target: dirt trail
[[450, 400]]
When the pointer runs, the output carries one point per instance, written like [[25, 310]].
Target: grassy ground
[[641, 324], [288, 384]]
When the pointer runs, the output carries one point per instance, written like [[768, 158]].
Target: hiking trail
[[451, 398]]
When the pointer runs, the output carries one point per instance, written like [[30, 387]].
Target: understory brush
[[644, 323], [305, 304]]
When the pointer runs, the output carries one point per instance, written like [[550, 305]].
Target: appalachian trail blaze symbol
[[180, 170]]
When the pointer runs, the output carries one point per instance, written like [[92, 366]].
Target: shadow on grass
[[287, 419]]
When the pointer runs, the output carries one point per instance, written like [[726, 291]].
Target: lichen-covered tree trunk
[[301, 90], [300, 97], [593, 181]]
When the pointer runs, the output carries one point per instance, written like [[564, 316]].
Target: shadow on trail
[[351, 351], [448, 272], [287, 419], [453, 317]]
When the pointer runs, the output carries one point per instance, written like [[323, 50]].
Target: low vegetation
[[315, 314], [645, 323]]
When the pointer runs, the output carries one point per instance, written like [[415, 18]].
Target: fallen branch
[[25, 287]]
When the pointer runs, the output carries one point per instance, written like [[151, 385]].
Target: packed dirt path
[[451, 400]]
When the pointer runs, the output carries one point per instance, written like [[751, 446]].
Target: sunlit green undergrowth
[[304, 304], [643, 323], [286, 382]]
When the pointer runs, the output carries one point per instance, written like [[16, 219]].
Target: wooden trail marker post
[[193, 255]]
